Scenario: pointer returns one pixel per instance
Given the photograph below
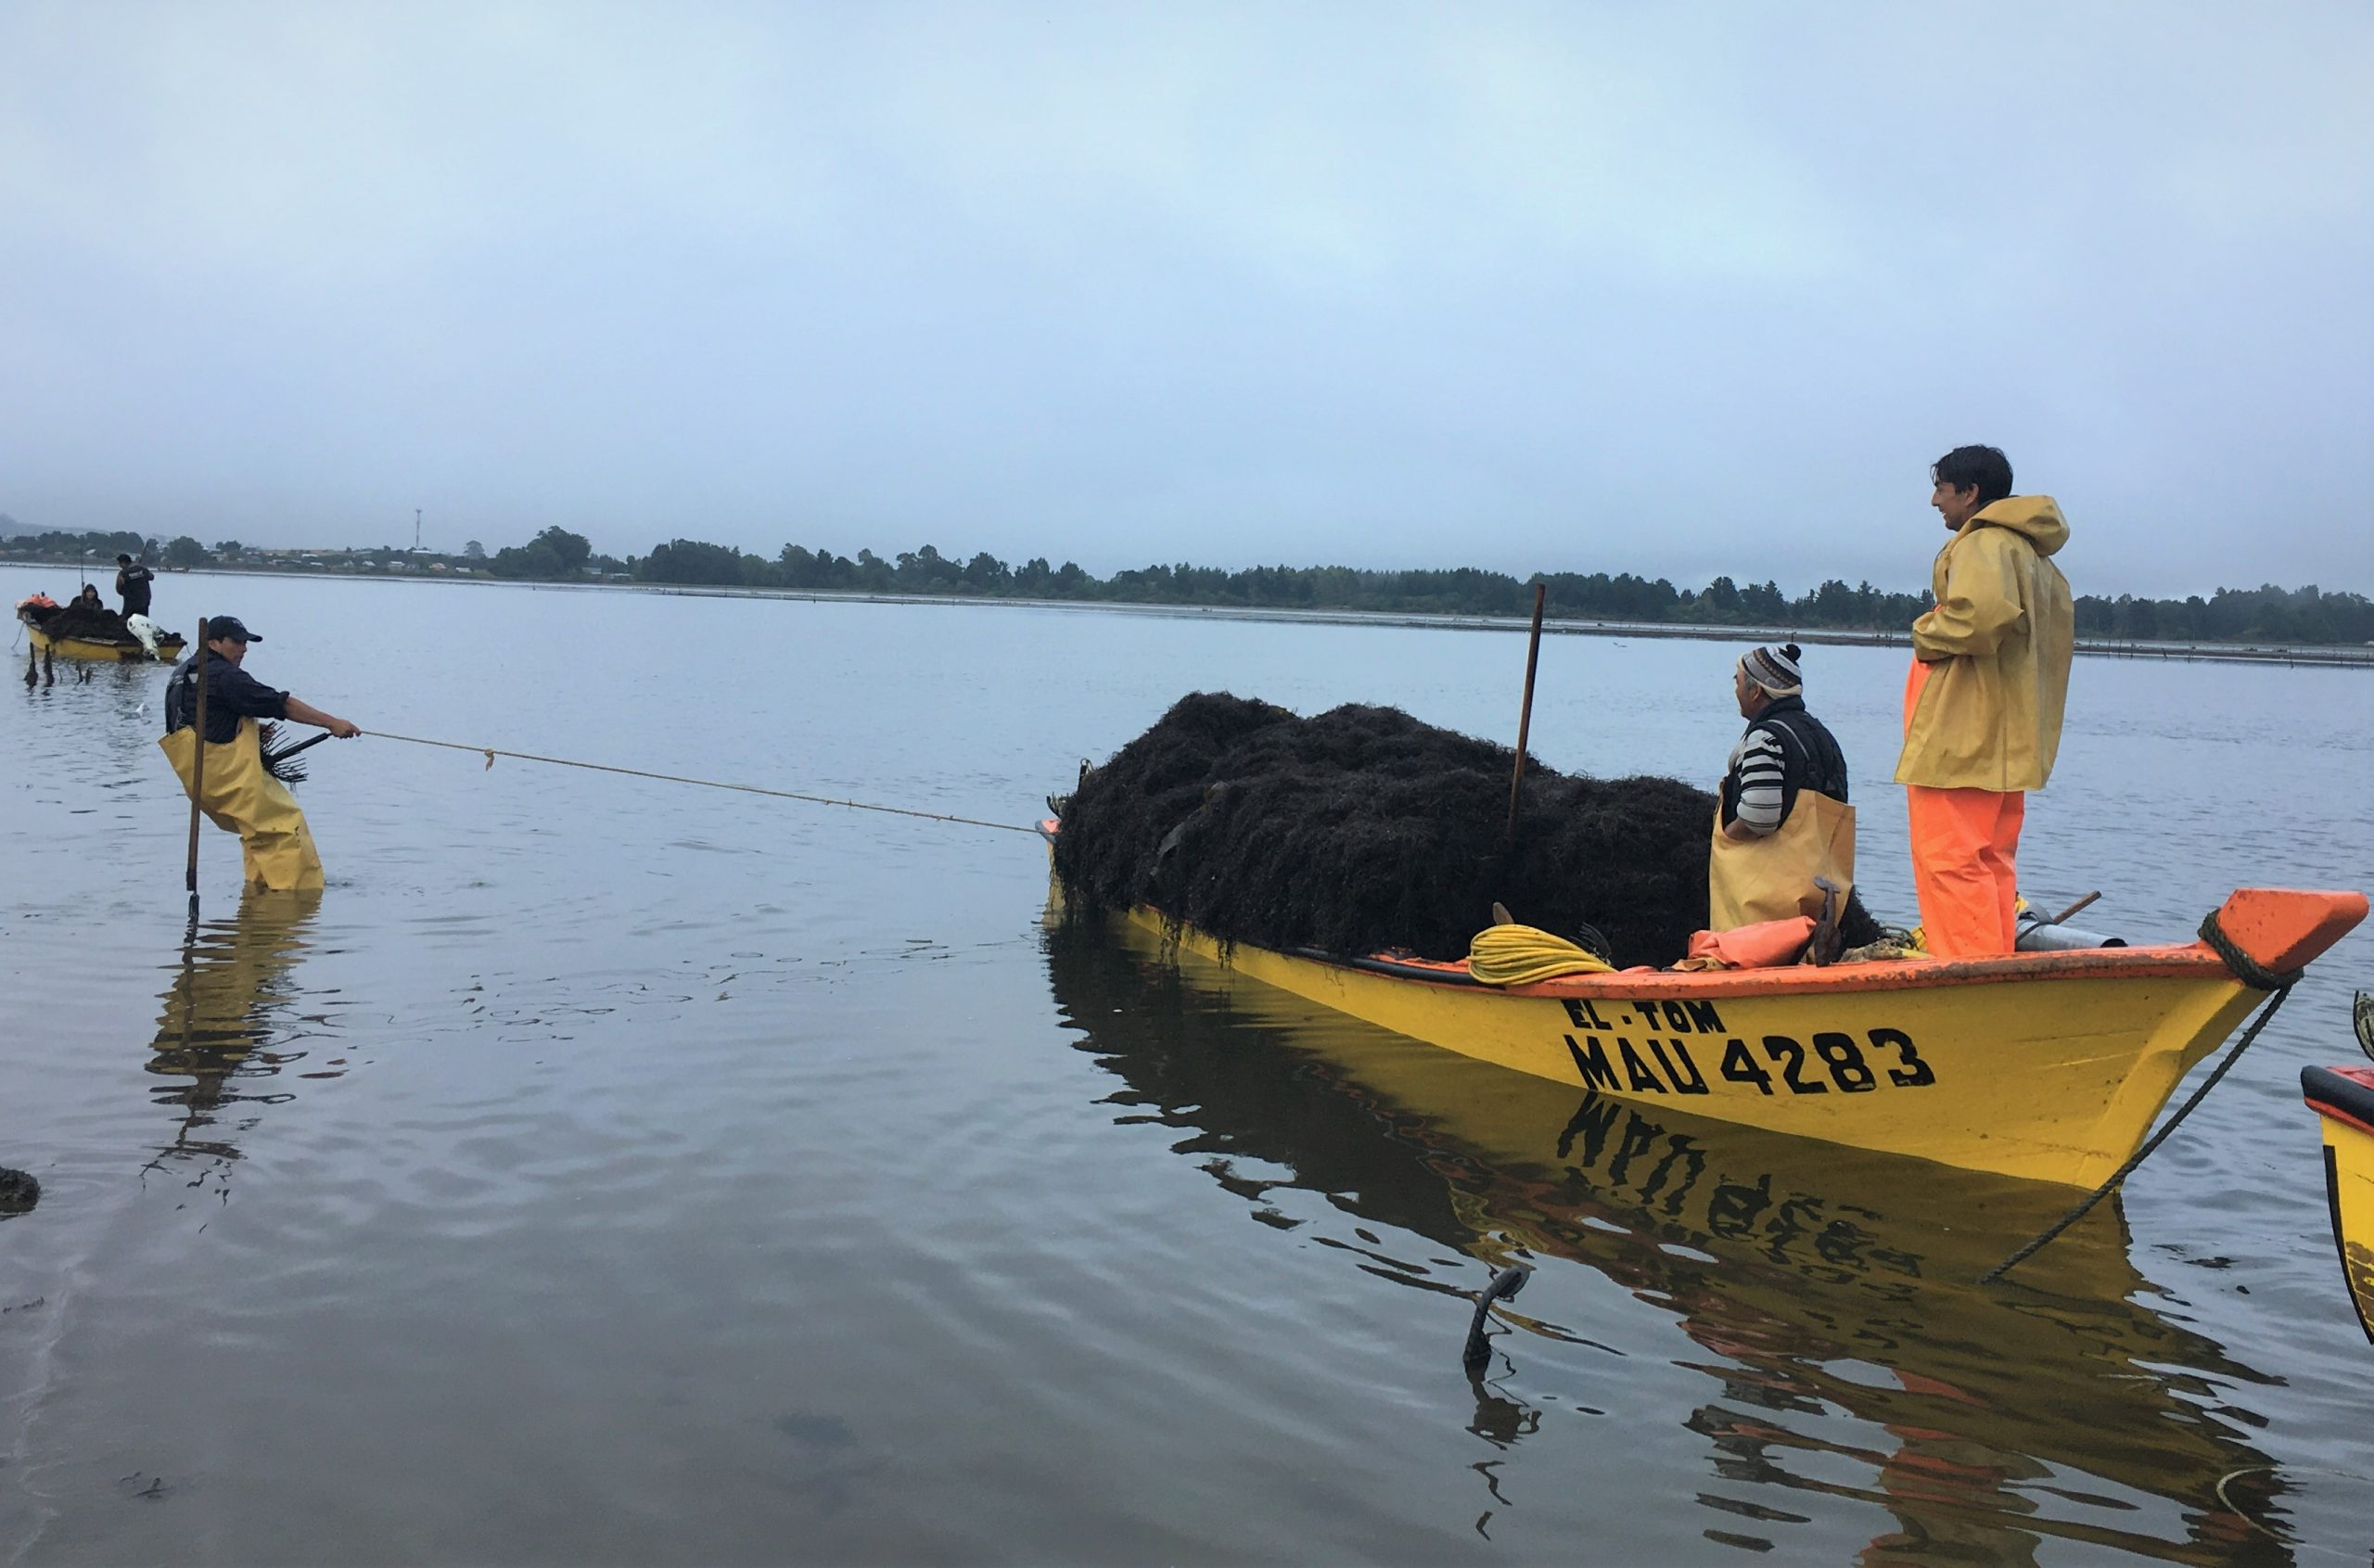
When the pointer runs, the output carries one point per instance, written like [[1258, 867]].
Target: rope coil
[[2251, 973], [490, 752], [2248, 970], [1519, 955]]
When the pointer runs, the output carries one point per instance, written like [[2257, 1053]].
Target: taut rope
[[490, 752]]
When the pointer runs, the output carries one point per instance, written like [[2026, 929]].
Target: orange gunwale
[[2280, 927], [2186, 961]]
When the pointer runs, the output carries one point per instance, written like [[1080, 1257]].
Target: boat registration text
[[1826, 1062]]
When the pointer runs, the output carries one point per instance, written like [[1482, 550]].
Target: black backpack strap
[[1815, 760]]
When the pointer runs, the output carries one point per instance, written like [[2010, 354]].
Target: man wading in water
[[1982, 700], [1783, 819], [240, 795]]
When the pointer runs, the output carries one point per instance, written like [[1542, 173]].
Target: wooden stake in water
[[1524, 718], [196, 768]]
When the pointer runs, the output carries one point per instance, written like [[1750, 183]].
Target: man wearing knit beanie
[[1783, 819]]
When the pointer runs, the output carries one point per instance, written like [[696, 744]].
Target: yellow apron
[[1752, 880], [244, 798]]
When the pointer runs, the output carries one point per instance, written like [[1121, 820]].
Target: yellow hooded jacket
[[1996, 646]]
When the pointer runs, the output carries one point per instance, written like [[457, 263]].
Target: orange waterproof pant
[[1964, 842]]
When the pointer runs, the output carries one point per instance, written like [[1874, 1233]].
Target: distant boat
[[123, 649]]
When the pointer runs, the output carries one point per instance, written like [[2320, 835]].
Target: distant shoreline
[[2341, 656]]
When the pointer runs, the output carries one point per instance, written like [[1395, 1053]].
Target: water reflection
[[1818, 1281], [232, 1020], [113, 713]]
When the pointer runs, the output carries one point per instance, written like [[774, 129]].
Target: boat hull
[[169, 649], [2044, 1067], [1800, 1268], [2344, 1099]]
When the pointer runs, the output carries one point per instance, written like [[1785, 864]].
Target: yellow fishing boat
[[2046, 1065], [1821, 1283], [2344, 1100], [127, 651]]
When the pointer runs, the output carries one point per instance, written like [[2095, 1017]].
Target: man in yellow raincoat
[[240, 795], [1983, 703]]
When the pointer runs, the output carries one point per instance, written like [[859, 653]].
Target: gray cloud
[[1675, 290]]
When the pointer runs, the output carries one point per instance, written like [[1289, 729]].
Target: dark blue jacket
[[231, 694]]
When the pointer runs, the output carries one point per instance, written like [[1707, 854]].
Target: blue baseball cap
[[224, 626]]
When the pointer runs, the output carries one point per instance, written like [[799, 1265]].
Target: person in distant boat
[[1983, 701], [89, 598], [1782, 819], [240, 795], [133, 581]]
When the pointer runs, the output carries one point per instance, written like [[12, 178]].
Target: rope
[[2251, 973], [2246, 969], [1519, 955], [490, 752]]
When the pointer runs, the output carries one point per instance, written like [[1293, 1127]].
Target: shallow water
[[605, 1170]]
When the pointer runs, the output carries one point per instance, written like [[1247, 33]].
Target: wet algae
[[1362, 830]]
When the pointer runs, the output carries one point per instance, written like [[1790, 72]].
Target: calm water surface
[[603, 1170]]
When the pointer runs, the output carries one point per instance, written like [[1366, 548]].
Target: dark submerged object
[[1362, 830], [1503, 1287], [18, 1191]]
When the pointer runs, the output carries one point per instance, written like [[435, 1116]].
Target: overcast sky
[[1674, 289]]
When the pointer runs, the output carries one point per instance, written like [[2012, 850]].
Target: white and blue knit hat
[[1775, 669]]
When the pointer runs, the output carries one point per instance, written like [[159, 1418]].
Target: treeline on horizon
[[2267, 614]]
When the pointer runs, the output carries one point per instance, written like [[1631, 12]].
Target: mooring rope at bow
[[2251, 973], [490, 752]]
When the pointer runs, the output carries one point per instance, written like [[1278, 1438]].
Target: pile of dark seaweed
[[1362, 830], [83, 623]]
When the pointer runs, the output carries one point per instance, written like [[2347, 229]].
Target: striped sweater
[[1759, 770], [1767, 771]]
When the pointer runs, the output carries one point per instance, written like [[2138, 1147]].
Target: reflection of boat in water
[[2344, 1099], [2046, 1065], [1818, 1279], [229, 1019]]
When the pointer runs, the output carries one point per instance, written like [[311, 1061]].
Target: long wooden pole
[[198, 767], [1524, 717]]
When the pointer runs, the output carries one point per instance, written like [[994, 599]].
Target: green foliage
[[551, 556], [74, 547], [691, 561], [573, 550], [2266, 615]]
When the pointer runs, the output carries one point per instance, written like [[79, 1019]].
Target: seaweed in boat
[[1362, 830]]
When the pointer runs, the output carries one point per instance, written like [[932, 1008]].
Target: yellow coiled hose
[[1519, 955]]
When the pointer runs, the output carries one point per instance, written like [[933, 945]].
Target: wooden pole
[[2072, 909], [1525, 716], [197, 765]]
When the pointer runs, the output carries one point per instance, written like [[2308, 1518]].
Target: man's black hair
[[126, 560], [1985, 466]]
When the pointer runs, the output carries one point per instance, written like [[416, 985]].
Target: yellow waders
[[244, 798], [1749, 881]]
